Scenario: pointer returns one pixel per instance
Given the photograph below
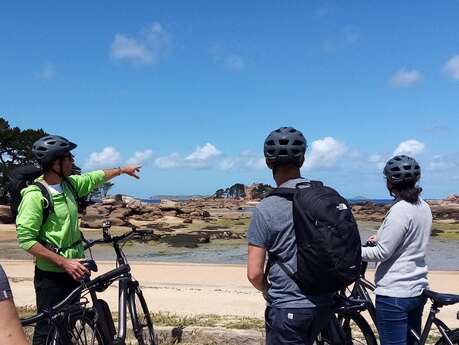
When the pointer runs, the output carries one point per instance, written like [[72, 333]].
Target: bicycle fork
[[122, 311]]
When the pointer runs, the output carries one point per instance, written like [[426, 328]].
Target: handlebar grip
[[109, 275]]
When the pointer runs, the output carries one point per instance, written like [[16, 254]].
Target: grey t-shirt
[[5, 290], [272, 228]]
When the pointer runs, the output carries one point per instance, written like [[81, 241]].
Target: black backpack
[[24, 176], [327, 238]]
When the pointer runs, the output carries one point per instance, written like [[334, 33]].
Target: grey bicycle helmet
[[285, 145], [402, 169], [50, 148]]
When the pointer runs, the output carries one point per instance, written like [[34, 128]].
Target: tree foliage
[[15, 150], [236, 191], [261, 191]]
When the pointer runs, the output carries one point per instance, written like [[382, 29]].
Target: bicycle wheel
[[453, 337], [354, 330], [80, 331], [357, 330], [142, 324]]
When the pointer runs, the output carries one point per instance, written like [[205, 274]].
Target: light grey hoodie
[[400, 250]]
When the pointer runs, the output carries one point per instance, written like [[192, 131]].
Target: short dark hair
[[408, 192]]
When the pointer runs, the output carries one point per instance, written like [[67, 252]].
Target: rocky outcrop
[[368, 211], [443, 211], [5, 215], [255, 191]]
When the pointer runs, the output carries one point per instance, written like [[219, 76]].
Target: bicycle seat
[[89, 264], [441, 299], [346, 305]]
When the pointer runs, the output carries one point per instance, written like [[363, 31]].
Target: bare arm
[[72, 267], [130, 170], [255, 267], [11, 332]]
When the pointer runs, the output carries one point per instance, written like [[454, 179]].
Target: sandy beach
[[191, 289]]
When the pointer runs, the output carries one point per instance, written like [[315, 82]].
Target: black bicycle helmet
[[285, 145], [402, 169], [50, 148]]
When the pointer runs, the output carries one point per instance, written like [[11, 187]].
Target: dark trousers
[[395, 316], [295, 326], [50, 289]]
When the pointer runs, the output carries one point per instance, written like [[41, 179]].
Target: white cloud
[[139, 157], [410, 147], [108, 157], [127, 48], [148, 48], [234, 62], [202, 155], [405, 78], [325, 153], [452, 67], [48, 72], [168, 162], [227, 164], [252, 160]]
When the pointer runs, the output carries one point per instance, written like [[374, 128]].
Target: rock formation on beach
[[256, 191], [194, 221]]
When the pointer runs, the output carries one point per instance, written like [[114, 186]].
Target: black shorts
[[5, 289]]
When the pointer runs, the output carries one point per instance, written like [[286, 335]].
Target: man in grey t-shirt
[[291, 316]]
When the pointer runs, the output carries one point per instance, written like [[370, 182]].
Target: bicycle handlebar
[[90, 243]]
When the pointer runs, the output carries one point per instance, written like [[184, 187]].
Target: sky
[[190, 89]]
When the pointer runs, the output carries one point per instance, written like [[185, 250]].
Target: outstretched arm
[[130, 170]]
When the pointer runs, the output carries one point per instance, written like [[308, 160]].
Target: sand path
[[187, 289]]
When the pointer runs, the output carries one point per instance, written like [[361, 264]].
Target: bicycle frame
[[360, 290], [126, 281]]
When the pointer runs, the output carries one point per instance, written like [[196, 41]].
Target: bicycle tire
[[355, 330], [142, 324], [81, 331], [453, 336], [361, 333]]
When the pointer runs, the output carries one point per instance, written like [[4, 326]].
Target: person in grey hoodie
[[399, 248]]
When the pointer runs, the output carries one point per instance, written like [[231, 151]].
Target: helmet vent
[[283, 141], [298, 142], [270, 142], [283, 152]]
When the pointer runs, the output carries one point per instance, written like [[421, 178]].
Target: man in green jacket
[[56, 242]]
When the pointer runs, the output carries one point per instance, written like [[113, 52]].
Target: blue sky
[[191, 89]]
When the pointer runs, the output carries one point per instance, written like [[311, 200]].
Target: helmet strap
[[60, 174]]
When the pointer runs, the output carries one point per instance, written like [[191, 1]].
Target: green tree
[[15, 150]]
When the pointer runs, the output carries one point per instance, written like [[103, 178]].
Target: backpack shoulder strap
[[49, 207], [274, 259], [315, 184], [283, 192]]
